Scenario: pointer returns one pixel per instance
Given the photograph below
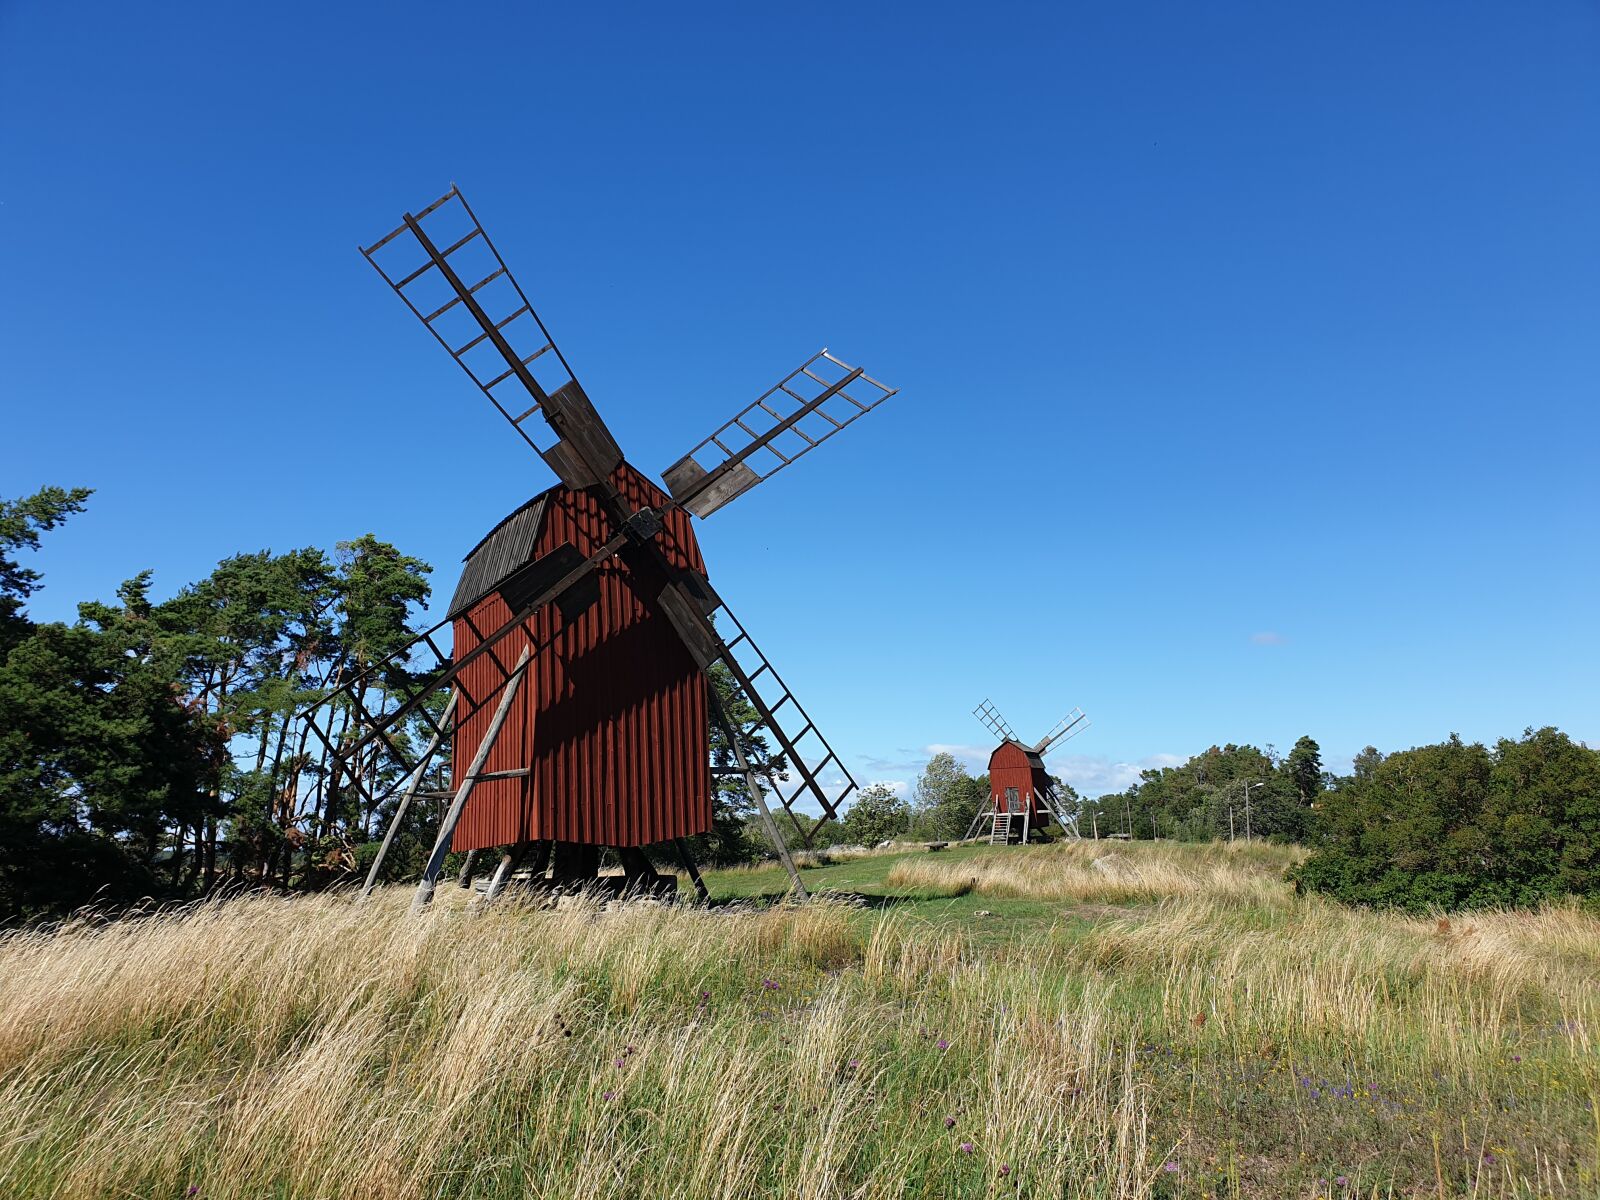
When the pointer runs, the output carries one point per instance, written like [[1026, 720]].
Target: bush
[[1460, 826]]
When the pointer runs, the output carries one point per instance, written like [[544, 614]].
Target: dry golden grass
[[1111, 872], [1223, 1039]]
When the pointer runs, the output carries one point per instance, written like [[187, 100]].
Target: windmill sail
[[990, 716], [1070, 726], [804, 409], [490, 329]]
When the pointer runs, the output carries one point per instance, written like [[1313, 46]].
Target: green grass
[[1003, 918]]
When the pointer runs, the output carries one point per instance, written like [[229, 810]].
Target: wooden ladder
[[1000, 835]]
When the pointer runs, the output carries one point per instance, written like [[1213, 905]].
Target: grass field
[[1080, 1021]]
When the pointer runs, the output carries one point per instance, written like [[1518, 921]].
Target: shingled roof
[[504, 549]]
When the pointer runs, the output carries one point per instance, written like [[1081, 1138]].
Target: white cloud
[[898, 786], [1268, 638], [968, 754], [1095, 775]]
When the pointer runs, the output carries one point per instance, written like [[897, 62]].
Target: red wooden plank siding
[[1013, 766], [611, 721]]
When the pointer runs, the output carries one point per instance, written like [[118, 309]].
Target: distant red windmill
[[1021, 795]]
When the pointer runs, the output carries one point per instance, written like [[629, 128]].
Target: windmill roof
[[1034, 760], [501, 551]]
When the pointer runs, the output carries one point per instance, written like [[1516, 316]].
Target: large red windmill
[[1022, 797], [584, 626]]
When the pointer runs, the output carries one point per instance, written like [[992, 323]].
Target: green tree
[[876, 816], [99, 754], [1304, 769], [945, 799], [21, 523], [1457, 825]]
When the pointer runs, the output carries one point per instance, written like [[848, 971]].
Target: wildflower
[[1169, 1167], [619, 1062], [854, 1063], [1516, 1058], [965, 1147], [1488, 1158], [705, 995], [949, 1122], [770, 985], [942, 1044], [608, 1095], [194, 1190], [1005, 1169], [1341, 1180]]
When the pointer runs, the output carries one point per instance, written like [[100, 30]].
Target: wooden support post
[[977, 820], [405, 799], [509, 862], [1027, 819], [541, 859], [687, 860], [464, 878], [447, 827], [753, 786]]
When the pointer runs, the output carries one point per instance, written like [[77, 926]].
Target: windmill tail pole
[[447, 829]]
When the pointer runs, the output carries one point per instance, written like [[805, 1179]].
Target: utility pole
[[1247, 787]]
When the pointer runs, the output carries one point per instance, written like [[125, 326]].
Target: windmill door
[[1012, 804]]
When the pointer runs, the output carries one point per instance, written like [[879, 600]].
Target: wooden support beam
[[687, 860], [447, 828], [510, 861], [407, 796]]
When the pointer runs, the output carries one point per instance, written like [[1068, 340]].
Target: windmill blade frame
[[789, 420], [1069, 727], [990, 716], [584, 453], [781, 713]]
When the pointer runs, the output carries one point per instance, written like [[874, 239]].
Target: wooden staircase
[[1000, 835]]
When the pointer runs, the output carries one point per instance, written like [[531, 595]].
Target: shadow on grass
[[773, 896]]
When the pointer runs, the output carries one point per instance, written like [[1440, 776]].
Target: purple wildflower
[[619, 1062], [1488, 1158], [1169, 1167], [770, 985], [942, 1044], [608, 1095], [949, 1122], [965, 1147], [1516, 1058], [1341, 1180], [1005, 1169], [854, 1063]]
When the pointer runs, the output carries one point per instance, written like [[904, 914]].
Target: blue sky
[[1248, 354]]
